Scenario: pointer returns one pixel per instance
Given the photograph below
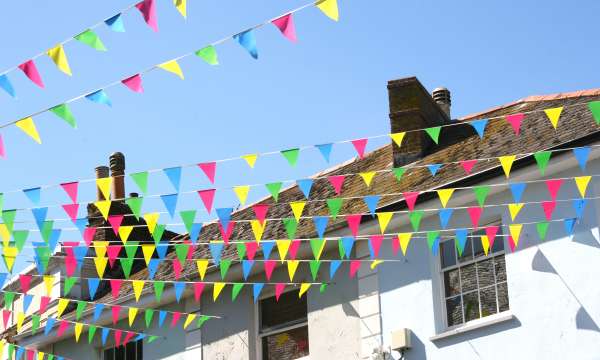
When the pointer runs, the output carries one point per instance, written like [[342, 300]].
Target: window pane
[[130, 351], [485, 271], [453, 311], [451, 282], [468, 278], [448, 257], [503, 296], [287, 345], [120, 353], [467, 251], [471, 306], [488, 301], [287, 311], [500, 265], [109, 354]]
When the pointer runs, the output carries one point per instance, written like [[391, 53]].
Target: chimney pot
[[442, 97], [101, 172], [117, 169]]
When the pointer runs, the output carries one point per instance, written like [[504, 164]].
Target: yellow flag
[[100, 247], [188, 320], [124, 232], [138, 286], [515, 232], [282, 247], [10, 255], [445, 195], [202, 266], [292, 267], [514, 209], [104, 207], [297, 208], [250, 159], [217, 290], [151, 220], [28, 127], [554, 115], [398, 137], [384, 219], [242, 193], [100, 266], [258, 229], [375, 263], [582, 184], [173, 67], [181, 6], [78, 329], [40, 355], [329, 8], [367, 177], [303, 289], [57, 54], [506, 162], [104, 185], [49, 283], [148, 251], [5, 234], [62, 305], [132, 314], [485, 243], [20, 319], [404, 240]]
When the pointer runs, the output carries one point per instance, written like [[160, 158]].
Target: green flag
[[47, 230], [9, 297], [188, 217], [314, 268], [235, 290], [35, 323], [182, 251], [81, 305], [63, 112], [542, 229], [542, 158], [152, 338], [43, 255], [274, 189], [91, 333], [201, 320], [291, 156], [224, 267], [8, 216], [323, 288], [141, 180], [158, 233], [135, 204], [431, 237], [159, 286], [69, 282], [148, 315], [415, 219], [595, 109], [1, 202], [481, 193], [434, 133], [334, 206], [291, 225], [398, 172], [126, 264], [241, 250], [341, 249], [131, 248], [208, 54], [20, 236], [317, 246], [90, 38]]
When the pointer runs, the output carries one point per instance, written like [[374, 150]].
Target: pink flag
[[354, 223], [354, 266], [62, 327], [515, 121], [115, 310], [337, 181], [511, 243], [269, 267], [115, 287], [148, 10], [71, 189], [70, 261], [2, 152], [177, 267], [553, 186], [118, 334], [88, 235], [44, 301], [293, 250], [30, 70], [198, 289], [71, 210], [115, 221], [395, 245], [251, 247], [209, 169], [176, 317], [226, 234], [30, 354], [113, 252], [475, 213], [207, 197], [134, 83], [376, 241], [468, 165], [491, 232], [411, 199], [25, 281], [279, 287], [260, 210], [5, 316], [360, 145], [549, 207], [128, 337], [285, 24]]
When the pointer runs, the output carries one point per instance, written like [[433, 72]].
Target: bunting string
[[30, 353]]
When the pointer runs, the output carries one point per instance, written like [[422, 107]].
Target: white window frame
[[442, 291]]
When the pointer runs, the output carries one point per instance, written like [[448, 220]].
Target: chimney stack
[[101, 172], [442, 97], [117, 170]]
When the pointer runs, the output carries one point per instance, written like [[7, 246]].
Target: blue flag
[[104, 335], [247, 267], [162, 315], [321, 225], [34, 195], [98, 311], [179, 288], [256, 289], [267, 247], [517, 190], [6, 85], [93, 286], [248, 42], [174, 175], [115, 23], [49, 325], [325, 150], [224, 215], [152, 267], [305, 185], [195, 232], [371, 201], [40, 214], [433, 168], [348, 243], [215, 252], [99, 97], [479, 126], [579, 206], [333, 267], [445, 215], [170, 202], [582, 154]]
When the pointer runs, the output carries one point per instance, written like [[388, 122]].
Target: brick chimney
[[101, 172], [117, 171]]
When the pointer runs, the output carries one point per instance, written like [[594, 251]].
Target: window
[[474, 285], [130, 351], [283, 328]]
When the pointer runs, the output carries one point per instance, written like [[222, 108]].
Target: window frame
[[440, 270], [113, 346]]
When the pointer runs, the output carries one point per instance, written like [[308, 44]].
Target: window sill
[[474, 325]]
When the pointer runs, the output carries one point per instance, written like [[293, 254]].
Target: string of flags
[[284, 23], [30, 353]]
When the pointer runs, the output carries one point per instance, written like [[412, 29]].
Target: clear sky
[[330, 86]]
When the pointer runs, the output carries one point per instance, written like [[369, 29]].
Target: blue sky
[[330, 86]]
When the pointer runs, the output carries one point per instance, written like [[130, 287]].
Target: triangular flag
[[320, 223], [31, 71], [582, 154], [103, 185], [104, 207], [433, 241], [354, 267], [99, 97], [515, 233], [285, 24], [181, 6], [224, 215], [337, 181], [172, 67], [460, 240], [260, 211], [115, 23], [174, 176], [569, 225], [479, 126], [468, 165], [514, 209], [325, 150], [274, 189], [314, 268], [334, 205], [398, 137], [491, 232], [367, 177], [241, 192], [359, 146], [582, 183], [292, 266], [548, 207], [124, 232], [542, 158], [207, 197], [542, 229], [141, 180], [517, 190], [170, 202], [218, 287], [115, 222], [445, 215], [475, 214], [28, 127], [6, 85], [63, 112], [148, 251], [433, 168], [415, 219], [515, 121], [375, 242], [297, 208], [291, 155], [553, 186], [283, 247], [354, 223], [579, 206], [151, 221], [208, 54], [71, 210], [317, 246], [434, 133], [247, 40], [71, 189], [148, 10], [347, 243], [383, 218], [594, 107], [329, 8], [250, 159], [209, 170], [305, 185], [445, 195], [269, 266], [481, 193], [33, 194], [90, 38], [411, 199], [404, 240], [57, 54], [506, 162], [371, 201], [135, 205], [258, 229], [134, 83], [554, 115]]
